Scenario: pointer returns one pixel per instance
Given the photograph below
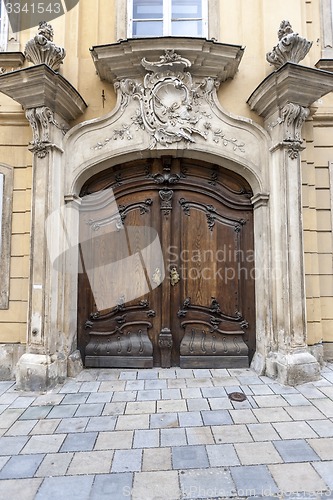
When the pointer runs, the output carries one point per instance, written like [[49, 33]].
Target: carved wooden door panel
[[202, 313], [119, 293], [212, 305]]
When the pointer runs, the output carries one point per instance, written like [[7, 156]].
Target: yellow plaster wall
[[323, 137], [14, 136]]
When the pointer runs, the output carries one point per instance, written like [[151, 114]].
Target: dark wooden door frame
[[172, 181]]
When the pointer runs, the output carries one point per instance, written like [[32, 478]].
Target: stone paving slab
[[168, 434]]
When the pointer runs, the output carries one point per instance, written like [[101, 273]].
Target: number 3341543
[[33, 8]]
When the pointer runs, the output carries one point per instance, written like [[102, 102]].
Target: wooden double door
[[167, 275]]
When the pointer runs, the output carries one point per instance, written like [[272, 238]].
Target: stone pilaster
[[283, 99], [50, 103]]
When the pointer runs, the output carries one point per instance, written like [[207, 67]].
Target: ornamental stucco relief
[[40, 120], [290, 48], [41, 48], [172, 108]]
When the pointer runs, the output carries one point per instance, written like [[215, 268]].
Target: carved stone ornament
[[42, 50], [292, 118], [40, 119], [170, 107], [291, 47]]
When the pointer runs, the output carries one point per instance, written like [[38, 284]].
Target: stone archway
[[181, 118]]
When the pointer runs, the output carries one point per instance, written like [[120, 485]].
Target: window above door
[[326, 33], [151, 18], [158, 18]]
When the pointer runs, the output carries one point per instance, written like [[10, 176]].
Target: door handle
[[174, 276]]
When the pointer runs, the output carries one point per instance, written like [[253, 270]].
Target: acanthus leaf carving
[[40, 119], [42, 50], [290, 48], [291, 119], [293, 116]]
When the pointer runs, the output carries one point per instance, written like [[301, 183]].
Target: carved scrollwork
[[40, 119], [166, 178], [214, 176], [293, 116], [166, 196], [170, 106], [291, 47], [211, 221], [238, 225], [144, 303], [42, 50], [120, 215], [215, 322], [215, 306], [185, 206], [186, 304]]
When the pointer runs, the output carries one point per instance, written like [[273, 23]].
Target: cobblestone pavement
[[168, 434]]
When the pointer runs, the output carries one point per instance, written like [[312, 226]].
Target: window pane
[[186, 9], [147, 28], [187, 28], [147, 9]]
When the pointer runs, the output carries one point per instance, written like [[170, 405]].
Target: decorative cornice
[[325, 64], [291, 47], [10, 61], [42, 50], [40, 86], [122, 60], [291, 83]]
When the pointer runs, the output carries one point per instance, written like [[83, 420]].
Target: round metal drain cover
[[237, 396]]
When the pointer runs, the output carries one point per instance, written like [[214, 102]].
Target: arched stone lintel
[[92, 146], [245, 170]]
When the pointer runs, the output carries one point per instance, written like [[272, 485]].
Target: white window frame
[[4, 27], [167, 18], [326, 29], [6, 204]]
